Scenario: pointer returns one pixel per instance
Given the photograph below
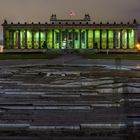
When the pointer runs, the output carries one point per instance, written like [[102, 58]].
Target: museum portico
[[70, 34]]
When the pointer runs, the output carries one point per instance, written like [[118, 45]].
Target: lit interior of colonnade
[[70, 39]]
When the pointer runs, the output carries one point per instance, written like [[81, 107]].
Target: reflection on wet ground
[[69, 102]]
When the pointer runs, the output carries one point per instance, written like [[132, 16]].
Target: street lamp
[[138, 46]]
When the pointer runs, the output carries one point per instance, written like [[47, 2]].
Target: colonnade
[[71, 39]]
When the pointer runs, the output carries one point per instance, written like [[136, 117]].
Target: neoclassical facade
[[70, 34]]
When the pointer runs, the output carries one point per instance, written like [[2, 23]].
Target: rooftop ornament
[[53, 17], [5, 21], [87, 17], [134, 21]]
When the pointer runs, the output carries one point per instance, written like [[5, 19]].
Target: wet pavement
[[55, 101]]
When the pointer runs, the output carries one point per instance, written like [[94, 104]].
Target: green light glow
[[124, 39], [36, 40], [104, 39], [65, 38], [22, 39], [90, 39], [83, 36], [8, 40], [111, 37], [70, 41], [29, 39], [56, 39], [15, 39], [49, 39], [131, 39], [77, 39], [43, 39], [119, 39], [97, 38]]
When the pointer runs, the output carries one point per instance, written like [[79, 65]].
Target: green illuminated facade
[[70, 34]]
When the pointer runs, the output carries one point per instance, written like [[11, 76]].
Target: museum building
[[70, 34]]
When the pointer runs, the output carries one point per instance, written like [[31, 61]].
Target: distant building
[[70, 34]]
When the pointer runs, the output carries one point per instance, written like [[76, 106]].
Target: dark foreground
[[69, 103]]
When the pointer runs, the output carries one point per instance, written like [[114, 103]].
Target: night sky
[[40, 10]]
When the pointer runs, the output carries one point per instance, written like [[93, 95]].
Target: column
[[93, 38], [18, 39], [127, 38], [4, 37], [12, 33], [86, 38], [67, 39], [39, 40], [80, 38], [114, 35], [121, 39], [10, 39], [107, 39], [46, 38], [60, 39], [52, 38], [25, 45], [32, 39], [100, 38], [73, 38], [115, 39], [135, 37]]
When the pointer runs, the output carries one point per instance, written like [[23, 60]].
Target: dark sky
[[40, 10]]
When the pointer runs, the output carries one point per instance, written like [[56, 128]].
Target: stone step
[[47, 94], [50, 85], [63, 127], [89, 94], [61, 96], [10, 82], [27, 73], [103, 126], [68, 107], [13, 126], [105, 105], [50, 89], [23, 92], [37, 102]]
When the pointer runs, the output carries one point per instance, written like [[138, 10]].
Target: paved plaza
[[69, 98]]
